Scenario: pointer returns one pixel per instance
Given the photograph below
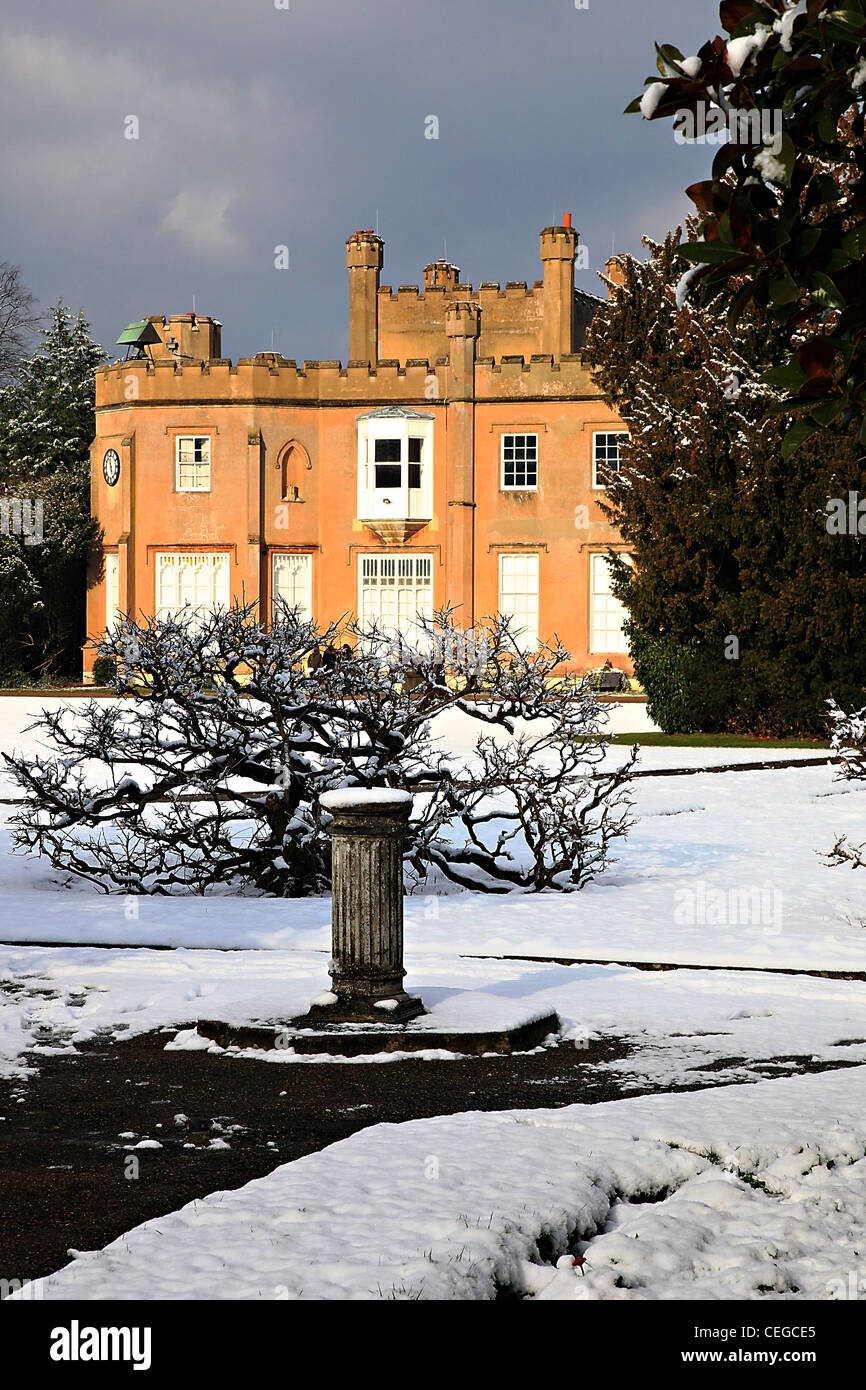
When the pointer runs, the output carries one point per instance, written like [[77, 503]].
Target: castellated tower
[[457, 459]]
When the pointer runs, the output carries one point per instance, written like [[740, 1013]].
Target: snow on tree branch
[[208, 774]]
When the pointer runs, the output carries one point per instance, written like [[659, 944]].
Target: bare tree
[[211, 773], [849, 741], [16, 319]]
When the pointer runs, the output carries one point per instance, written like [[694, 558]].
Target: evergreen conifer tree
[[745, 612], [46, 428]]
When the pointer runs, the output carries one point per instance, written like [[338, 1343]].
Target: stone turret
[[462, 327], [364, 262], [441, 275], [558, 251]]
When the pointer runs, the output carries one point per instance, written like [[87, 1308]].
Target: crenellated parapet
[[271, 378], [268, 378], [443, 339]]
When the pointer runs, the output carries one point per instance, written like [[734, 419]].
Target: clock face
[[111, 467]]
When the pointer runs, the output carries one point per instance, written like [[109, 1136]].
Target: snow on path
[[763, 1187]]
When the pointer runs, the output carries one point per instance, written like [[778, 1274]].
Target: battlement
[[397, 339], [489, 289], [272, 378]]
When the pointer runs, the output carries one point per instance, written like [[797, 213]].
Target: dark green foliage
[[785, 228], [745, 613], [687, 685], [104, 670], [46, 428]]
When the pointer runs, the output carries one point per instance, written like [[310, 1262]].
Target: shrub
[[104, 670], [149, 795]]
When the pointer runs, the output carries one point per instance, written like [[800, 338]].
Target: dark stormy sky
[[261, 126]]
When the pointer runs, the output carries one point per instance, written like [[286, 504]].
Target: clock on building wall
[[111, 466]]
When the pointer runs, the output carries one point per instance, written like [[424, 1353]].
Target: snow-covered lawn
[[719, 869], [743, 1192], [765, 1181]]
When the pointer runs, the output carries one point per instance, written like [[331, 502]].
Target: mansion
[[457, 458]]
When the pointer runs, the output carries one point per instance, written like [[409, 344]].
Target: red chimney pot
[[566, 219]]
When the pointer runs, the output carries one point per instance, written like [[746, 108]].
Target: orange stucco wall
[[253, 410]]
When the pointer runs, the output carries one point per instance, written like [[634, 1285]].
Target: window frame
[[306, 555], [180, 439], [596, 485], [112, 588], [517, 487], [177, 558], [592, 593], [521, 639], [377, 560]]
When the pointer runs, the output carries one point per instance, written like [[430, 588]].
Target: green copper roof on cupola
[[142, 332]]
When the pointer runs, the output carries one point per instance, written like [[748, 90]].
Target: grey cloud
[[260, 127]]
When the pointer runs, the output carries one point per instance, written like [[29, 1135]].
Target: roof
[[395, 412], [142, 331]]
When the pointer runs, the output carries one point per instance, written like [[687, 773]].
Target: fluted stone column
[[367, 832]]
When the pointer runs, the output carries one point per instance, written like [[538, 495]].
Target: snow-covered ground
[[719, 869], [744, 1192], [682, 1024], [765, 1183]]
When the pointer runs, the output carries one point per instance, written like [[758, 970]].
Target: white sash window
[[292, 582], [193, 463], [198, 581], [518, 597], [606, 613]]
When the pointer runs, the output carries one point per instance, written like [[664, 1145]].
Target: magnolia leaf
[[710, 251], [783, 288], [823, 291], [854, 241], [797, 435], [817, 357], [790, 376], [826, 413]]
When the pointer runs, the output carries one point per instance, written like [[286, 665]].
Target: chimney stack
[[441, 274], [364, 261], [558, 251], [615, 273]]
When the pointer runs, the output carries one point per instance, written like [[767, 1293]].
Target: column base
[[398, 1007]]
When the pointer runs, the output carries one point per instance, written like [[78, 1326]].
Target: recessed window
[[606, 461], [193, 463], [198, 582], [518, 597], [112, 588], [519, 461], [292, 576], [606, 613], [395, 593]]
